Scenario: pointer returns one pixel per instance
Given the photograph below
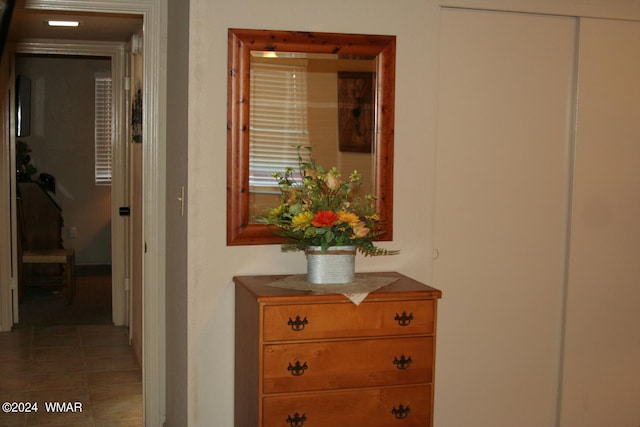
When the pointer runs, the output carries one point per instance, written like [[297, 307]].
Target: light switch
[[181, 200]]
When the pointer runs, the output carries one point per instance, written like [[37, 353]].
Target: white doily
[[356, 291]]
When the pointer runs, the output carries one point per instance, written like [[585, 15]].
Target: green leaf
[[329, 236]]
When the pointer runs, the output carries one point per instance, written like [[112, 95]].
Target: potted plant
[[323, 215]]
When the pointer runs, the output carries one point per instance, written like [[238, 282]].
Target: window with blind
[[103, 130], [278, 120]]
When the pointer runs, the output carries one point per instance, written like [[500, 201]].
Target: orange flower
[[324, 219]]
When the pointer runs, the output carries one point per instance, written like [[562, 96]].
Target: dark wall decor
[[355, 111], [23, 106], [136, 117]]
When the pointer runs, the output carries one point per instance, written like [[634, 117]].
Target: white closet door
[[601, 381], [505, 120]]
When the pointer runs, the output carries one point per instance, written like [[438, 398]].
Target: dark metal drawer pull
[[297, 420], [402, 363], [405, 319], [297, 369], [298, 324], [401, 412]]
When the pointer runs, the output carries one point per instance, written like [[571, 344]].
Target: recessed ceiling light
[[63, 23]]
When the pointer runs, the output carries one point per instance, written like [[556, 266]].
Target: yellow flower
[[348, 217], [302, 220], [374, 217], [275, 212]]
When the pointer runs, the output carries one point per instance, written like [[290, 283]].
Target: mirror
[[362, 64]]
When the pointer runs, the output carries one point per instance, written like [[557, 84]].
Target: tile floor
[[90, 364]]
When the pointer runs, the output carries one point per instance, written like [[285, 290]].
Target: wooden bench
[[65, 257], [40, 242]]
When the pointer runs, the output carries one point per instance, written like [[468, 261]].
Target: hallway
[[90, 364]]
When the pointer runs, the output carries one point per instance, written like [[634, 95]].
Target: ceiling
[[30, 24]]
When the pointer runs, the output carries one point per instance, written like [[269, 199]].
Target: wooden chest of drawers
[[304, 359]]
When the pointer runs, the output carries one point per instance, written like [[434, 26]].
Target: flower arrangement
[[24, 168], [318, 208]]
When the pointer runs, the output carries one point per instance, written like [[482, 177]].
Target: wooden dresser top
[[403, 287]]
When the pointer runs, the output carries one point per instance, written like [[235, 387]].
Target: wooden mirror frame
[[240, 231]]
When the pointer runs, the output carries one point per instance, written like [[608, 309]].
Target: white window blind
[[103, 130], [278, 120]]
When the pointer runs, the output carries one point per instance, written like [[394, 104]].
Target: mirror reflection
[[323, 101]]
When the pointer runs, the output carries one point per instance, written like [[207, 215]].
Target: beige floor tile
[[72, 424], [23, 366], [13, 396], [102, 329], [16, 336], [14, 381], [105, 339], [93, 365], [135, 422], [111, 364], [58, 353], [55, 330], [47, 419], [58, 380], [117, 402], [12, 420], [14, 375], [41, 367], [104, 351], [19, 352], [133, 376], [15, 345], [58, 406], [56, 340]]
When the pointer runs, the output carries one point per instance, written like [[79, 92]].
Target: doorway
[[61, 150], [153, 178], [117, 193]]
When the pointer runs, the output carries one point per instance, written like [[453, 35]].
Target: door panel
[[505, 112], [602, 345]]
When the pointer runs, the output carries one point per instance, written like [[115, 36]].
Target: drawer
[[393, 406], [347, 363], [345, 320]]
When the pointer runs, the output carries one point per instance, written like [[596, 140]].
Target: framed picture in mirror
[[355, 111]]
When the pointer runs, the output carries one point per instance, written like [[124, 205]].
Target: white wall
[[212, 263], [524, 372]]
